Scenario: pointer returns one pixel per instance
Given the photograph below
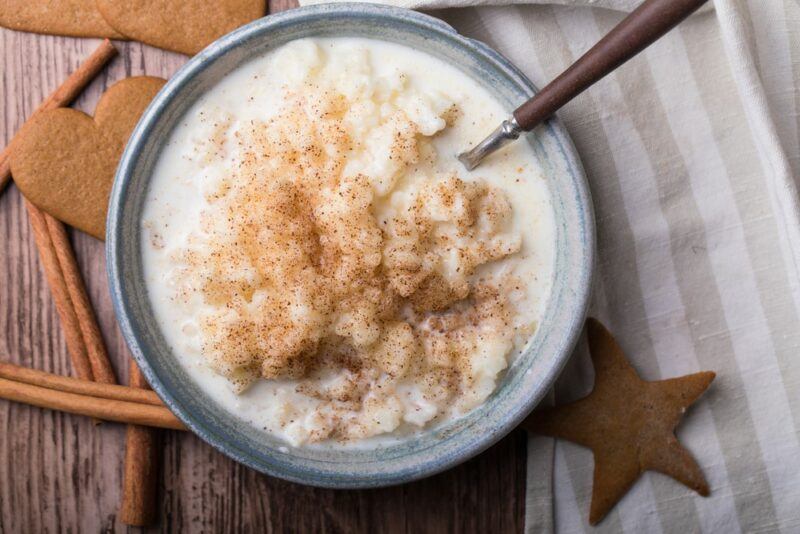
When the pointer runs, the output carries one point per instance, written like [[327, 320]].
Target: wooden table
[[62, 473]]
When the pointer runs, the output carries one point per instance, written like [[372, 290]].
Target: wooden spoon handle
[[641, 28]]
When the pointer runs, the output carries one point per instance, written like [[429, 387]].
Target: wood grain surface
[[62, 473]]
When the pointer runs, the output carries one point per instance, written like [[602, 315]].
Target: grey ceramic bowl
[[525, 382]]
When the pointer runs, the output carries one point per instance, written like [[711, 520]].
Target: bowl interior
[[525, 382]]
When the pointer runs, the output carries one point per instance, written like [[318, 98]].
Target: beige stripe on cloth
[[690, 151]]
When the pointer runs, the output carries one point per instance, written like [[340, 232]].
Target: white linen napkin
[[692, 151]]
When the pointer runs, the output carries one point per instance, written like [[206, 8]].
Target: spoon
[[646, 24]]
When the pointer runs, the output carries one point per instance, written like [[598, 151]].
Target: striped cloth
[[691, 151]]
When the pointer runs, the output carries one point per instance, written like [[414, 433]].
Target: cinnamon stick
[[64, 95], [140, 487], [61, 294], [68, 384], [97, 407], [87, 322]]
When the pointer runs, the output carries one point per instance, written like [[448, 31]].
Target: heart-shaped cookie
[[64, 161], [76, 18], [185, 26]]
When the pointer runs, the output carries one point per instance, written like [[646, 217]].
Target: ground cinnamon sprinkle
[[339, 262]]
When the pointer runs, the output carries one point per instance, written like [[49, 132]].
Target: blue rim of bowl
[[195, 66]]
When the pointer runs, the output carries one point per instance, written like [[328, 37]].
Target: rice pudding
[[320, 262]]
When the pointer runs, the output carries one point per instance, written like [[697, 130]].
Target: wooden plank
[[62, 473]]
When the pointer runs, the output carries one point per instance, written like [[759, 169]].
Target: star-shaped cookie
[[628, 423]]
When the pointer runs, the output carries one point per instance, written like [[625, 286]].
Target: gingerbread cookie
[[75, 18], [64, 161], [185, 26], [628, 423]]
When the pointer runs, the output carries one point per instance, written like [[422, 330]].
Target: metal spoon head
[[470, 159], [508, 131]]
